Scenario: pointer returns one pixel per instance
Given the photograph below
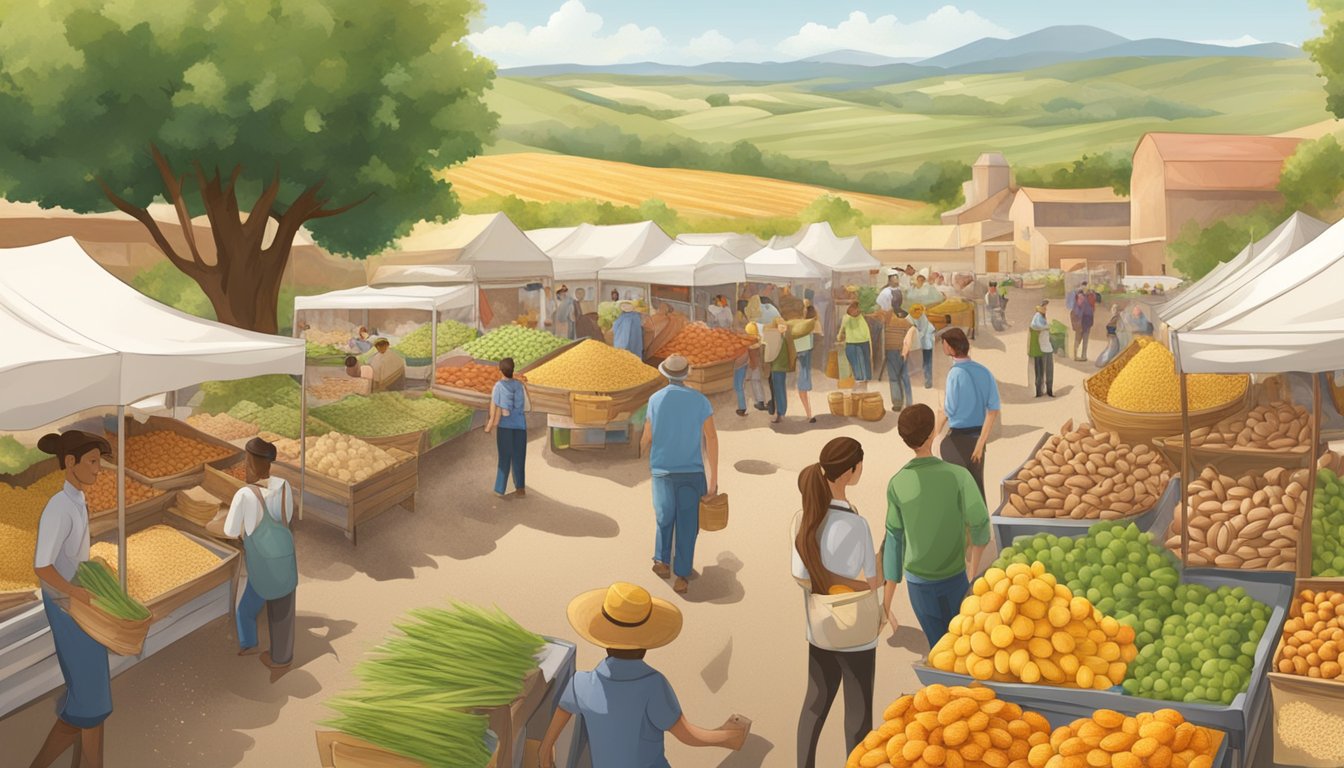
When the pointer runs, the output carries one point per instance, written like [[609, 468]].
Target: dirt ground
[[586, 522]]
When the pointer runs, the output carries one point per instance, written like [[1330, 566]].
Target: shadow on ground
[[751, 755], [718, 584]]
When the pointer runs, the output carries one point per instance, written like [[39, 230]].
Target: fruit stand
[[685, 276], [469, 378], [712, 352], [590, 388]]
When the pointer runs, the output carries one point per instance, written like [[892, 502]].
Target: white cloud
[[713, 45], [944, 29], [1240, 42], [572, 35]]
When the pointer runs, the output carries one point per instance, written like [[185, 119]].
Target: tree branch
[[141, 215], [174, 186], [261, 209], [324, 213]]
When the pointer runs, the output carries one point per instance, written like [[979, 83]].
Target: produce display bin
[[1234, 462], [349, 505], [1010, 479], [1135, 428], [1324, 696], [225, 573], [1242, 720], [138, 516], [712, 379], [468, 397], [188, 477], [1155, 520], [559, 402]]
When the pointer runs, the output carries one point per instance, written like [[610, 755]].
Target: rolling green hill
[[1038, 117]]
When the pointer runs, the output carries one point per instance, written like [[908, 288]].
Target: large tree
[[1328, 52], [334, 115]]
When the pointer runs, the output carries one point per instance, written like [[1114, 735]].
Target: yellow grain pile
[[1021, 625], [1148, 384], [159, 559], [20, 511], [592, 366]]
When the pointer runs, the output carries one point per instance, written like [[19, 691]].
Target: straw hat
[[381, 342], [916, 310], [624, 617], [626, 306], [675, 368]]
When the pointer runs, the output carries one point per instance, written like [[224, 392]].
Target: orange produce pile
[[162, 453], [238, 471], [474, 376], [103, 495], [702, 345], [1109, 738]]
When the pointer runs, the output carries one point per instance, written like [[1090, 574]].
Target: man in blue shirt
[[678, 434], [627, 705], [970, 408]]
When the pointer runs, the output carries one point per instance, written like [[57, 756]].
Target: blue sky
[[519, 32]]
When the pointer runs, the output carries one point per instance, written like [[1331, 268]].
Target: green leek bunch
[[108, 595]]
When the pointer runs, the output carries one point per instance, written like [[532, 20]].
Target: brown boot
[[662, 570], [681, 586]]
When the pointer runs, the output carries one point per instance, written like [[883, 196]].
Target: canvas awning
[[79, 338], [548, 238], [683, 265], [429, 298], [737, 244], [489, 243], [1290, 317], [839, 254], [783, 264], [593, 248], [1250, 264]]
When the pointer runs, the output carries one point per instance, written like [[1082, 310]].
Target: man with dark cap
[[260, 514]]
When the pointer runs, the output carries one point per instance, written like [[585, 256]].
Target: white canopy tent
[[683, 266], [820, 243], [783, 265], [1247, 266], [80, 338], [549, 238], [739, 245], [486, 249], [434, 299], [591, 248]]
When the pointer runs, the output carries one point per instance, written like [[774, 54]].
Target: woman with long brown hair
[[835, 564]]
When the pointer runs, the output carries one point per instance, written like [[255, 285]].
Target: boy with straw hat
[[626, 704]]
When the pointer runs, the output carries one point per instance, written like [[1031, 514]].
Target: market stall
[[593, 395], [415, 318], [510, 273], [685, 277], [82, 344], [740, 245], [587, 249]]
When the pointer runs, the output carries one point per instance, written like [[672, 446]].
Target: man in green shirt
[[934, 509]]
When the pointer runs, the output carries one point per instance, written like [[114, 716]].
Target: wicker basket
[[869, 406], [836, 401], [714, 512], [119, 636], [1134, 427]]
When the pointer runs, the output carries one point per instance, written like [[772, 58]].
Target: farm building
[[1181, 178], [1059, 228]]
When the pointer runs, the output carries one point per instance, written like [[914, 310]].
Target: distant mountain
[[856, 58], [1076, 39], [744, 72], [1152, 48]]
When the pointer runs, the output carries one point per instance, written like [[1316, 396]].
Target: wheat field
[[546, 178]]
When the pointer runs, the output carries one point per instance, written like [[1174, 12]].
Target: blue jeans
[[898, 373], [248, 608], [740, 387], [87, 700], [928, 368], [860, 357], [676, 509], [936, 603], [512, 444], [779, 391], [803, 379]]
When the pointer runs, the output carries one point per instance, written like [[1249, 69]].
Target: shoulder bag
[[844, 621], [272, 569]]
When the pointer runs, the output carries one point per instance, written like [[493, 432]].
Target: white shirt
[[885, 298], [846, 550], [63, 533], [245, 514], [386, 364], [720, 317]]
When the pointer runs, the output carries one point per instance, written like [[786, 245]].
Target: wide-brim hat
[[675, 368], [916, 309], [380, 341], [626, 306], [624, 617], [894, 271]]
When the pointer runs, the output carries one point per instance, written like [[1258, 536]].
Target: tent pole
[[303, 433], [1185, 457], [433, 344], [1304, 552], [121, 496]]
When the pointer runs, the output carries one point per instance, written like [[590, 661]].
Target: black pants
[[825, 672], [1045, 374], [957, 449]]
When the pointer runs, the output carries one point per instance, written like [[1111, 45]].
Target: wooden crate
[[713, 378], [468, 397], [186, 478], [415, 443], [1233, 461], [221, 484], [138, 516], [1323, 695], [347, 505], [223, 572]]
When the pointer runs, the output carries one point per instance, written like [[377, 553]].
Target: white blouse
[[847, 551]]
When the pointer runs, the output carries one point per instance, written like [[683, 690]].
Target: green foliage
[[621, 106], [718, 100], [1328, 52], [837, 211], [659, 213], [16, 457], [1065, 111], [1199, 249], [1313, 178], [1107, 169], [167, 284]]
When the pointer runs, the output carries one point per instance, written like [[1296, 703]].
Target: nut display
[[337, 387], [1253, 522], [592, 366], [1084, 474], [1313, 636], [346, 458], [1021, 625], [702, 345], [158, 559], [952, 726], [1305, 727], [1277, 426], [478, 377], [162, 453], [1148, 384], [524, 345], [1109, 738], [222, 426]]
